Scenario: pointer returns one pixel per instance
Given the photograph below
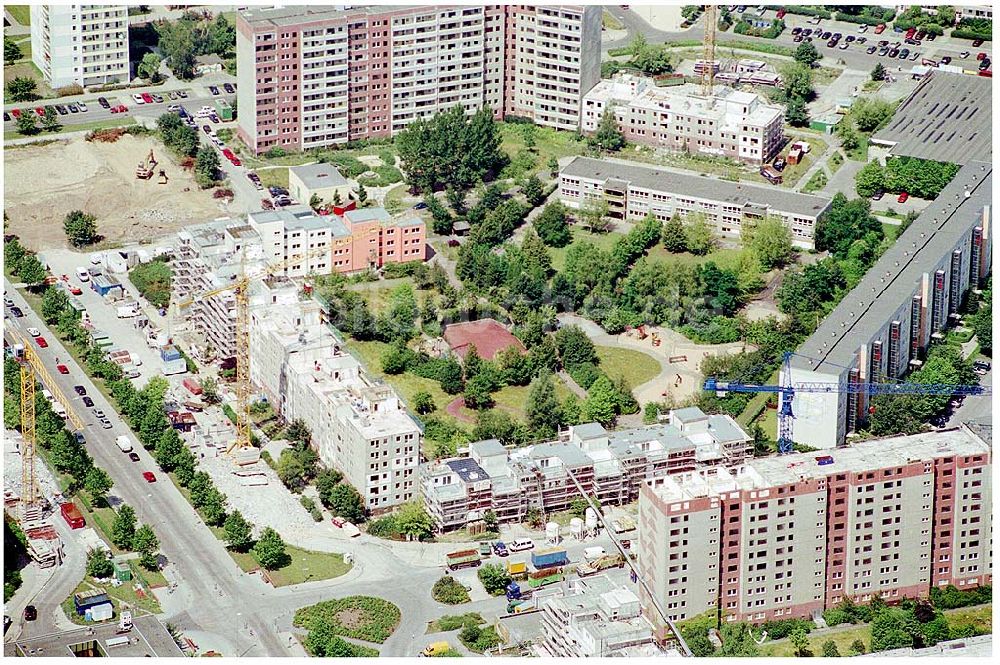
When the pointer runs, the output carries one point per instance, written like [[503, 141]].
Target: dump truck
[[541, 578], [463, 559], [603, 563], [72, 515], [549, 558], [518, 570]]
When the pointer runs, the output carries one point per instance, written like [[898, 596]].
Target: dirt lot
[[43, 183]]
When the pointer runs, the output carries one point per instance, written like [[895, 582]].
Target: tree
[[608, 137], [413, 521], [50, 121], [674, 236], [206, 165], [80, 228], [361, 194], [210, 390], [149, 68], [450, 377], [423, 403], [269, 550], [99, 566], [31, 271], [168, 449], [146, 543], [796, 113], [13, 253], [533, 192], [477, 393], [857, 648], [177, 44], [347, 503], [98, 483], [797, 82], [22, 89], [845, 222], [542, 408], [878, 72], [870, 113], [551, 225], [11, 51], [441, 220], [574, 347], [553, 165], [491, 522], [893, 628], [291, 471], [806, 54], [594, 213], [494, 578], [770, 241], [800, 641], [601, 400], [870, 179], [699, 234], [54, 303], [830, 649], [298, 431], [326, 481], [123, 527], [239, 532], [26, 125]]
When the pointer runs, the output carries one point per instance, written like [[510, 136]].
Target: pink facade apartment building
[[316, 76], [787, 536]]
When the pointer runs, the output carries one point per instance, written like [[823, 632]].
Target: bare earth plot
[[43, 183]]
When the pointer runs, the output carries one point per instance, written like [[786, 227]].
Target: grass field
[[26, 69], [394, 198], [124, 597], [637, 367], [275, 177], [793, 172], [21, 13], [724, 258], [378, 294], [603, 241], [305, 566], [83, 127], [548, 143]]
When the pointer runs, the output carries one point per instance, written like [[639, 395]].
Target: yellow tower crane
[[708, 51], [32, 369], [240, 288]]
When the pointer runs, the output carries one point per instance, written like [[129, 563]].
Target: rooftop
[[265, 17], [148, 637], [488, 336], [300, 218], [712, 189], [896, 275], [367, 215], [947, 118], [319, 175]]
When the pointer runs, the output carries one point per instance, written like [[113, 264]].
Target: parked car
[[106, 424], [61, 110], [134, 456], [779, 164], [207, 129], [212, 89], [946, 60], [15, 113], [62, 369], [99, 414], [338, 522], [904, 54], [420, 206], [849, 38], [147, 98], [80, 390], [40, 111], [6, 116], [902, 197], [30, 613], [228, 87], [149, 477], [87, 402], [862, 28], [16, 311], [880, 28], [977, 42], [103, 101], [844, 46], [500, 549], [984, 64], [157, 98], [73, 108], [34, 332], [83, 107], [826, 35], [182, 94], [137, 98], [797, 38], [981, 367], [871, 49], [893, 53], [796, 31], [121, 108], [981, 55]]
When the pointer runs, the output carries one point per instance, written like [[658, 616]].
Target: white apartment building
[[82, 44], [286, 234], [358, 423], [594, 618], [733, 124]]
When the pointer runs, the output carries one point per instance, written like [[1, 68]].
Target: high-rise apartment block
[[85, 45], [733, 124], [883, 327], [318, 76], [358, 423], [609, 465], [788, 536]]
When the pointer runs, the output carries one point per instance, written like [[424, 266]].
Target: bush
[[951, 597], [780, 629], [384, 527], [372, 619], [153, 282], [449, 591]]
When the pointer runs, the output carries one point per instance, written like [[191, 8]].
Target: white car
[[82, 107], [97, 258], [33, 332], [173, 108], [83, 274], [137, 98]]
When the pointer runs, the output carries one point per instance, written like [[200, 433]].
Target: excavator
[[144, 171], [163, 177]]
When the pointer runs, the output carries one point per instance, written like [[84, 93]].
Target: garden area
[[364, 618], [451, 622], [303, 566]]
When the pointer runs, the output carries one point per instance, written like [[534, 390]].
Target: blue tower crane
[[787, 391]]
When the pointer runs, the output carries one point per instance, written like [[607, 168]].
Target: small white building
[[322, 180]]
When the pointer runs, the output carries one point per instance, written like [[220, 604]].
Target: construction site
[[113, 181]]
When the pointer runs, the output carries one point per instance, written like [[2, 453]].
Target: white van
[[593, 553], [58, 409], [124, 444], [520, 544], [47, 395]]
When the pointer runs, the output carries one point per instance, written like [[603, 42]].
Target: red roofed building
[[488, 336]]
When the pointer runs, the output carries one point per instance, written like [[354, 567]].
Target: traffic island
[[363, 618]]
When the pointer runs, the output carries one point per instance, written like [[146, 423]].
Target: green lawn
[[21, 13], [549, 143], [603, 241], [793, 172], [637, 367], [816, 182], [305, 566], [82, 127], [610, 22], [406, 384], [836, 161], [275, 177], [394, 199], [379, 294], [26, 69], [724, 258]]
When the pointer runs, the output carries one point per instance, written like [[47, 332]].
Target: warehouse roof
[[894, 277], [947, 118], [698, 186]]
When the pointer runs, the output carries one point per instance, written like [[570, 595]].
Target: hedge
[[867, 20], [773, 49], [959, 33], [802, 11]]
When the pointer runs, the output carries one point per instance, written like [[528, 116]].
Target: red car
[[228, 153], [148, 98], [148, 475], [338, 522], [902, 197], [62, 369], [41, 111], [981, 55], [236, 161], [75, 290], [41, 342], [121, 108], [16, 113], [781, 14], [880, 28]]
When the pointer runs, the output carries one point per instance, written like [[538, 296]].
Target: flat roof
[[895, 276], [285, 16], [319, 175], [947, 118], [698, 186], [148, 637]]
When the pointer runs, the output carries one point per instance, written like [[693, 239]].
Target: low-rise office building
[[785, 537], [883, 327], [321, 180], [633, 191], [358, 423], [730, 123], [608, 465]]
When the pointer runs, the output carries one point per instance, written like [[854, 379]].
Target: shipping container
[[549, 558], [72, 515], [517, 569], [192, 386], [545, 577], [87, 599]]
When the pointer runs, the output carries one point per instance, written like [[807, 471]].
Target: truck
[[593, 553], [518, 570], [128, 310], [592, 567], [463, 559], [72, 515], [485, 549], [549, 558], [515, 592], [541, 578], [123, 444]]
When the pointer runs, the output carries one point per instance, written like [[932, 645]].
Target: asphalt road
[[854, 57], [974, 408]]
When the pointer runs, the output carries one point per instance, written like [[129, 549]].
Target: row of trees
[[183, 40], [185, 142], [923, 178]]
